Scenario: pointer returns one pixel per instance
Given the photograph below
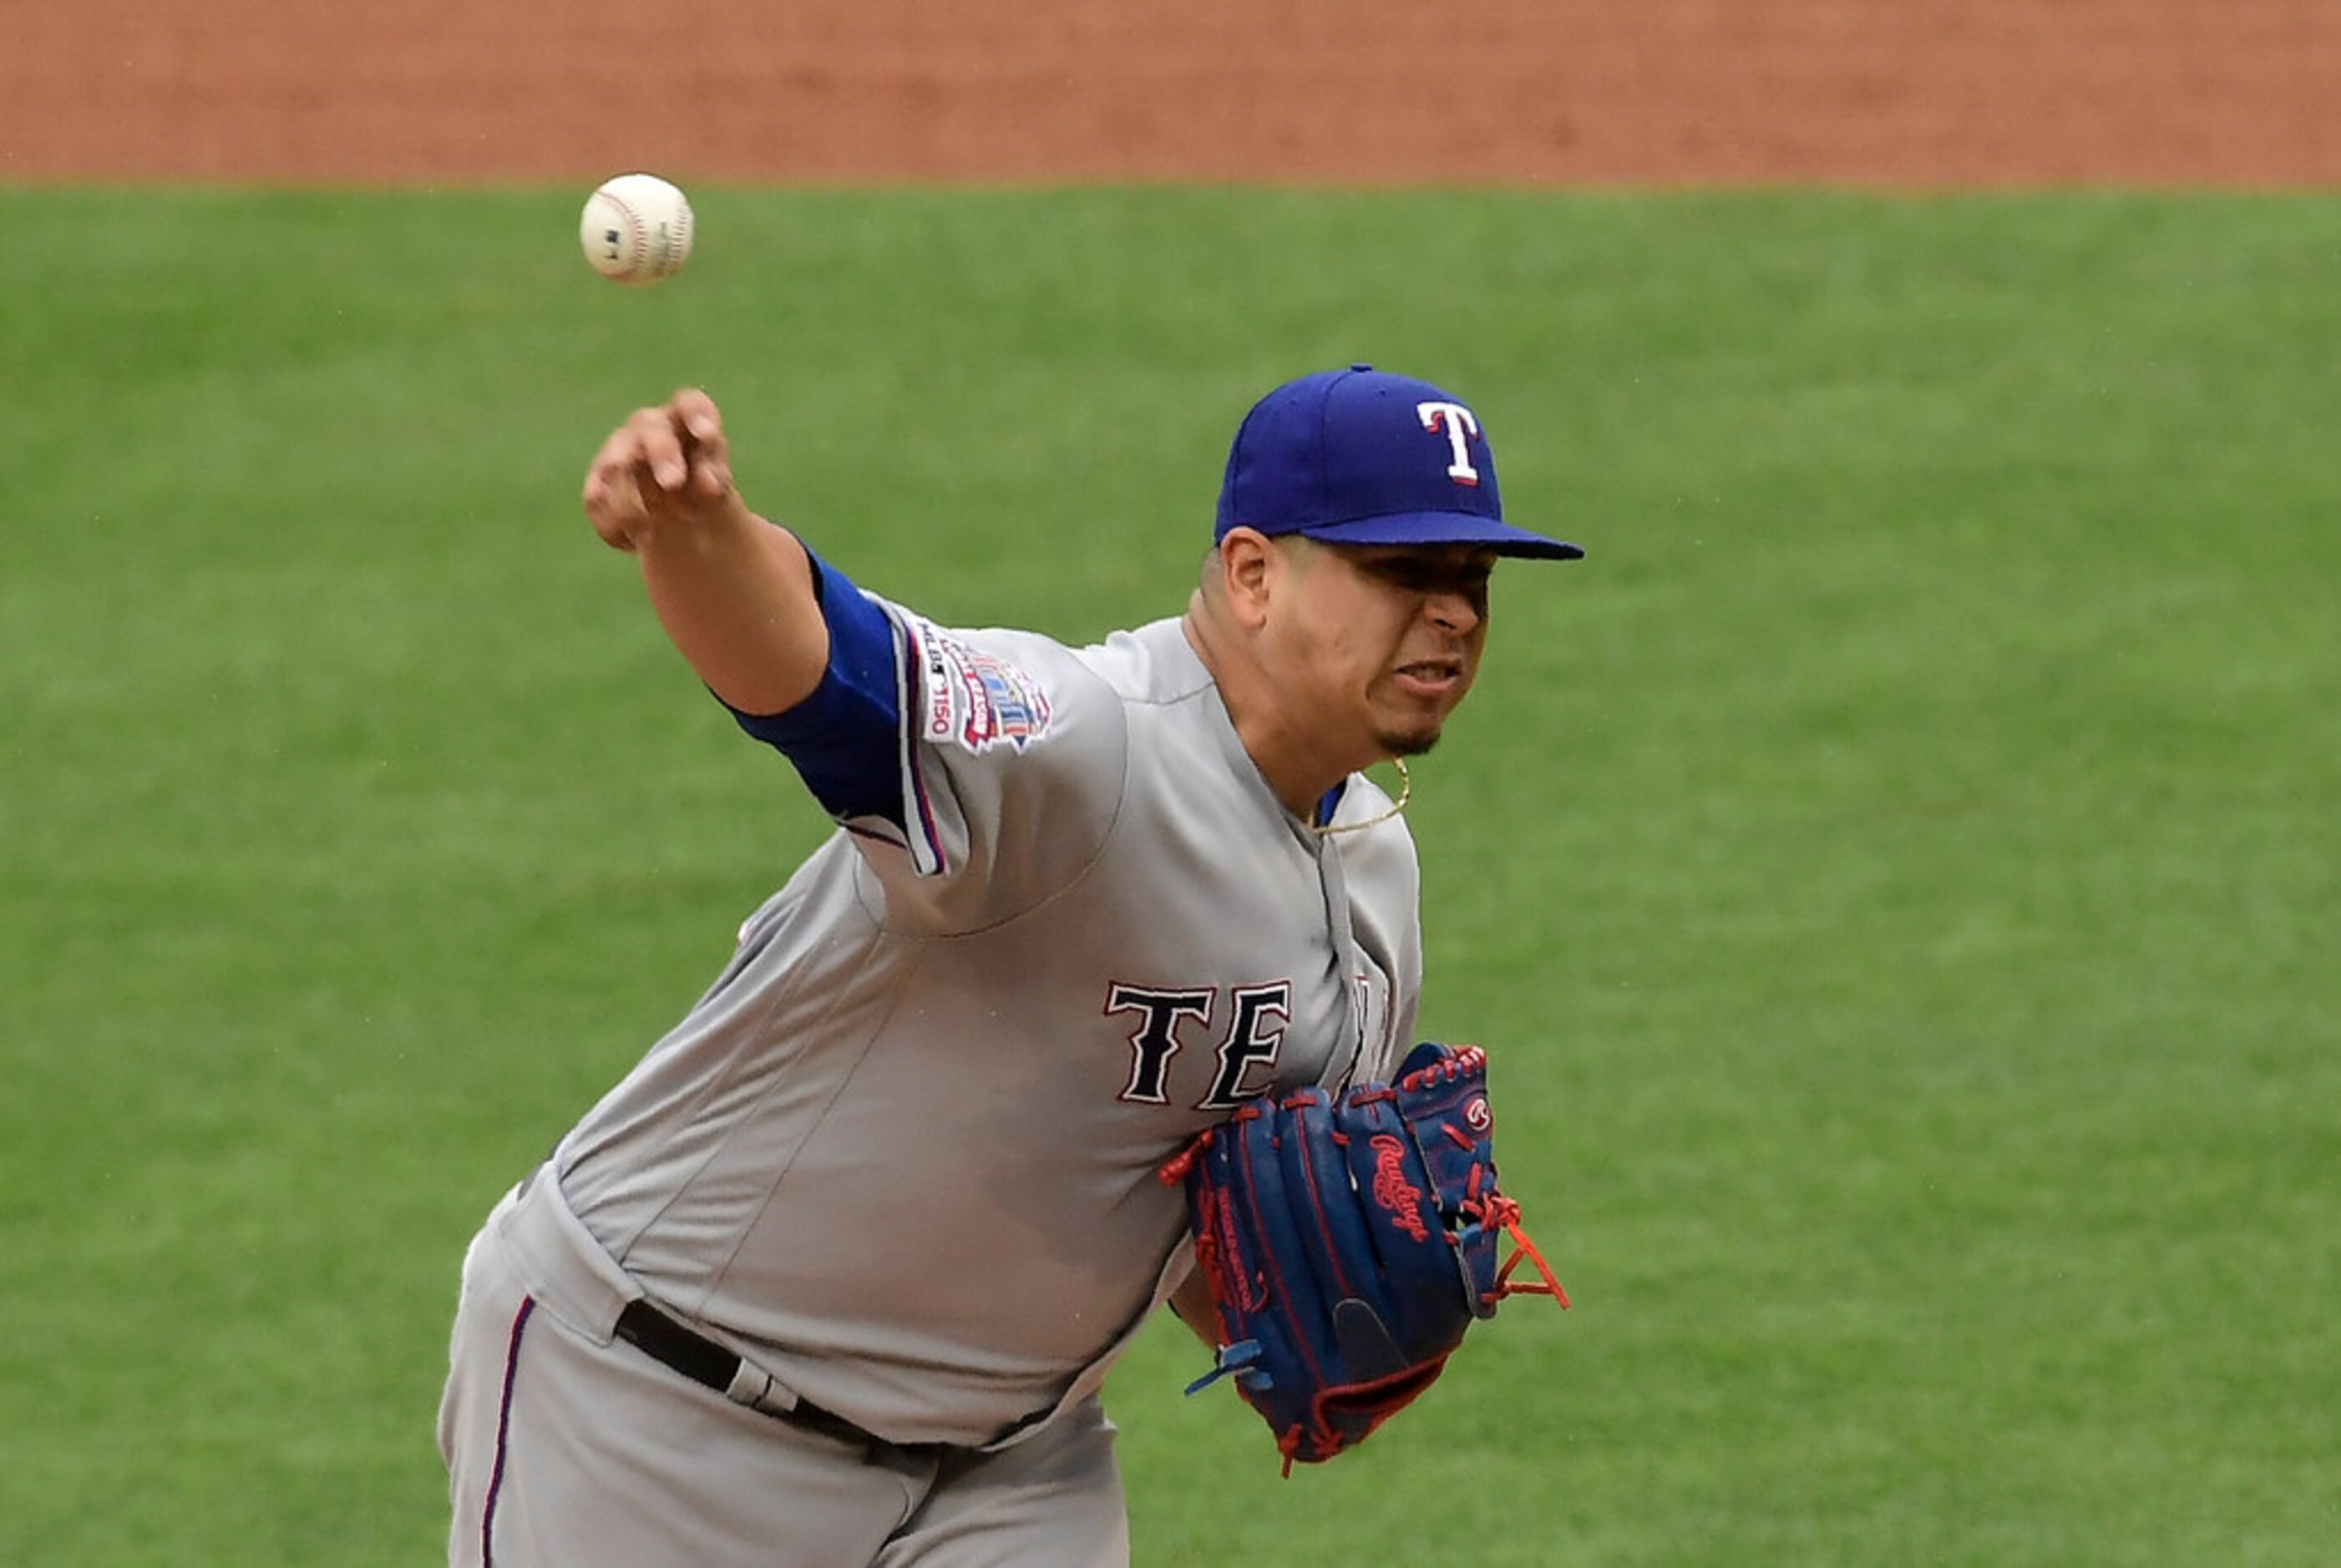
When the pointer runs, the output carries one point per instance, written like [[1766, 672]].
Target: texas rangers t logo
[[1458, 425]]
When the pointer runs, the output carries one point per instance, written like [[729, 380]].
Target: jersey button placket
[[1346, 962]]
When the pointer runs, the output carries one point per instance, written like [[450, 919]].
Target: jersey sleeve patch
[[976, 699]]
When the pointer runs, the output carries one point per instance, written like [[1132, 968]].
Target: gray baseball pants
[[566, 1445]]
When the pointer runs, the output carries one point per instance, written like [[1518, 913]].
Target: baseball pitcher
[[833, 1276]]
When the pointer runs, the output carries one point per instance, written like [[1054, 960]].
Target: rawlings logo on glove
[[1349, 1242], [1400, 1197]]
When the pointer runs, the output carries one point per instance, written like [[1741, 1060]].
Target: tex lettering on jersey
[[976, 701], [1246, 1054]]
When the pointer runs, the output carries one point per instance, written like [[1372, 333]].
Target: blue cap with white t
[[1361, 456]]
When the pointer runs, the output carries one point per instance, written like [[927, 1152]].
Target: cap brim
[[1436, 528]]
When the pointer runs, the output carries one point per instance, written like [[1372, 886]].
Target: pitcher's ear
[[1249, 565]]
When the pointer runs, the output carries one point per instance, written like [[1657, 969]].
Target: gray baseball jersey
[[903, 1152]]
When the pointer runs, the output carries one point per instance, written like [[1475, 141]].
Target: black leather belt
[[709, 1364]]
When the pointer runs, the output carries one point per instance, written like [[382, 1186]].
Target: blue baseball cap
[[1361, 456]]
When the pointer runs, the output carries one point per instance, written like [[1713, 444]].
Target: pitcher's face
[[1377, 644]]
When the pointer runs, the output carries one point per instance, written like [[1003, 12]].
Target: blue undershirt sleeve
[[845, 739]]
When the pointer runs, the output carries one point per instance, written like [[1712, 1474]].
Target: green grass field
[[1897, 875]]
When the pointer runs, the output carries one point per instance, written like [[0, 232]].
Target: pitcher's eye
[[1403, 572], [1415, 573]]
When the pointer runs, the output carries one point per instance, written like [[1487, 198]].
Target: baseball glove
[[1349, 1242]]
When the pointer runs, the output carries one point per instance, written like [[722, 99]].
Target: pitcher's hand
[[665, 466]]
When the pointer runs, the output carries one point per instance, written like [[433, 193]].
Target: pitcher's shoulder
[[1153, 663]]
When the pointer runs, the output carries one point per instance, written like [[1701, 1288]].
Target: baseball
[[636, 230]]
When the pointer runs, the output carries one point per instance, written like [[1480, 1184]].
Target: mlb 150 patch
[[976, 701]]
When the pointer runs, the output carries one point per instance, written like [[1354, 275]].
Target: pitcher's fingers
[[611, 478], [709, 453], [655, 443], [698, 416], [607, 463], [614, 505], [711, 477]]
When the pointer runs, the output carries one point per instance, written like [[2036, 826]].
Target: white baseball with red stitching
[[636, 229]]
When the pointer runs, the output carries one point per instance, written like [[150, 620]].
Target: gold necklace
[[1405, 790]]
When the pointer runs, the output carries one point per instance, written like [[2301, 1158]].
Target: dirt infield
[[1940, 93]]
